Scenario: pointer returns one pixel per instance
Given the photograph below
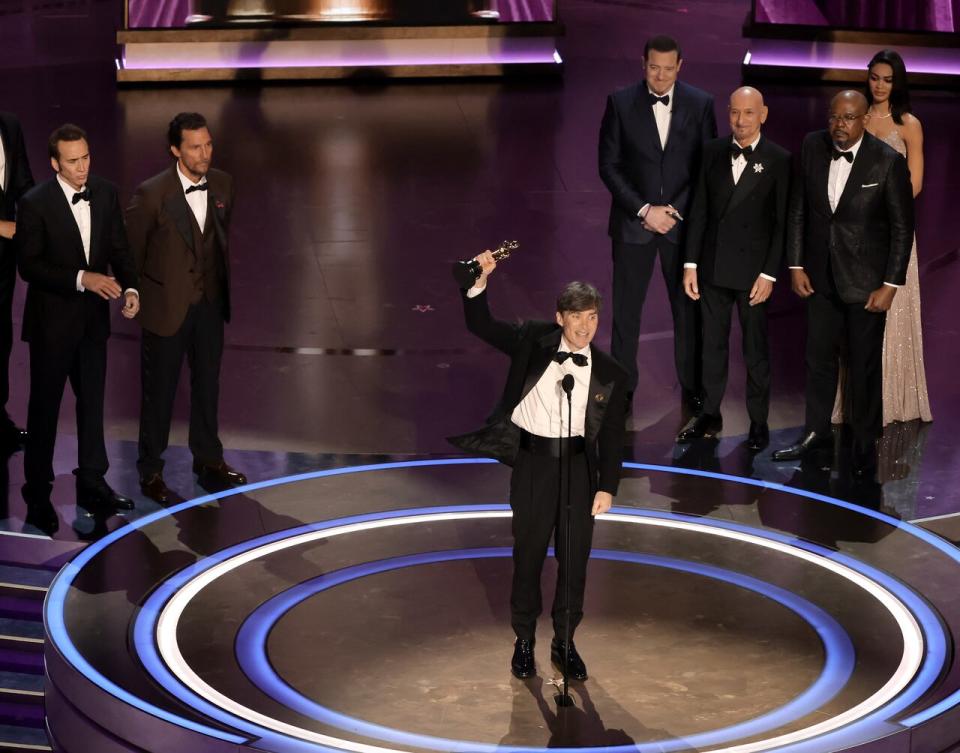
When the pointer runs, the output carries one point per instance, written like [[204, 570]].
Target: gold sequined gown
[[904, 379]]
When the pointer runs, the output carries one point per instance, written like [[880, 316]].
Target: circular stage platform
[[365, 609]]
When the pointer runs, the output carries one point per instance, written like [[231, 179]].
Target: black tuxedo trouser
[[830, 324], [84, 363], [717, 307], [537, 517], [632, 270], [8, 281], [200, 337]]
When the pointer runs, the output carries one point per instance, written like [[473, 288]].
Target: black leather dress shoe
[[699, 427], [863, 460], [155, 488], [103, 497], [810, 441], [759, 437], [577, 670], [217, 477], [40, 511], [522, 664]]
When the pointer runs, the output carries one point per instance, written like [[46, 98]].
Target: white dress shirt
[[662, 114], [197, 200], [544, 409], [737, 166], [81, 215], [837, 182]]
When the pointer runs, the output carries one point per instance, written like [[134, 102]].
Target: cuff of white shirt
[[475, 291], [796, 267], [132, 290], [892, 285], [642, 214], [80, 287], [689, 265], [768, 277]]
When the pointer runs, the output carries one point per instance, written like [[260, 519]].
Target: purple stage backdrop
[[890, 15], [166, 14]]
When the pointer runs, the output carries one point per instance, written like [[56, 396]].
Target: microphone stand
[[563, 699]]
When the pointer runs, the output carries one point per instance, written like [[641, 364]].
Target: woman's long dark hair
[[899, 93]]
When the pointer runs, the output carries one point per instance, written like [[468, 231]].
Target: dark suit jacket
[[736, 231], [637, 170], [17, 179], [160, 226], [867, 241], [531, 346], [50, 253]]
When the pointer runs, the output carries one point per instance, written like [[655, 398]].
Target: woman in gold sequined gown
[[904, 379]]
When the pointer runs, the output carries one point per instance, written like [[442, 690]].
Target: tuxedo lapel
[[749, 178], [648, 123], [60, 206], [601, 387], [542, 354], [821, 175], [176, 206], [861, 165], [97, 214], [679, 113], [721, 179]]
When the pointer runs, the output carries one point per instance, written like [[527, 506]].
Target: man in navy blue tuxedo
[[650, 143]]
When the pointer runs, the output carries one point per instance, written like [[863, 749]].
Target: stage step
[[24, 582], [16, 739], [21, 635]]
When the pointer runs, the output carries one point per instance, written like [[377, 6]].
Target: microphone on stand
[[563, 699]]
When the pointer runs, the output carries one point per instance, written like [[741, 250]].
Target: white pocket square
[[869, 185]]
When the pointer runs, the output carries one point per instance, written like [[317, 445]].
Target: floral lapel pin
[[219, 204], [599, 397], [758, 168]]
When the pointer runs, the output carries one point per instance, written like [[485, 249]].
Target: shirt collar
[[753, 146], [186, 182], [68, 190], [564, 345], [667, 93], [853, 149]]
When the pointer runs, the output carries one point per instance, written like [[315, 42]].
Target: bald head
[[747, 114], [848, 111]]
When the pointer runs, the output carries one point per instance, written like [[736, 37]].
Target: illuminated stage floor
[[364, 608]]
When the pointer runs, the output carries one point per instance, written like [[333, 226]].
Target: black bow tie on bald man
[[664, 100], [736, 151], [198, 187], [837, 154], [578, 358]]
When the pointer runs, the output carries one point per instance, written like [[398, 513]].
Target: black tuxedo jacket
[[17, 179], [736, 231], [531, 346], [50, 253], [867, 241], [637, 170]]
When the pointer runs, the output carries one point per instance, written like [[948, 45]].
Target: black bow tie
[[837, 154], [736, 151], [578, 358], [83, 195], [198, 187], [664, 100]]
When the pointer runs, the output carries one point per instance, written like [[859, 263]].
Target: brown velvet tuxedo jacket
[[161, 229]]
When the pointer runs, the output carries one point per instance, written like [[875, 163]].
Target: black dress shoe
[[217, 477], [40, 511], [759, 437], [810, 441], [155, 488], [102, 496], [522, 664], [699, 427], [863, 459], [576, 669]]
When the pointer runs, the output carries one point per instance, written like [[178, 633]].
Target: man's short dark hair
[[66, 132], [579, 296], [662, 44], [184, 121]]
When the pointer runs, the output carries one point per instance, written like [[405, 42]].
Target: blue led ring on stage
[[251, 652], [60, 639], [173, 596]]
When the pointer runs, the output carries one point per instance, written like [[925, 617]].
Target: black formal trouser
[[8, 281], [830, 323], [537, 517], [200, 337], [632, 270], [84, 362], [717, 307]]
